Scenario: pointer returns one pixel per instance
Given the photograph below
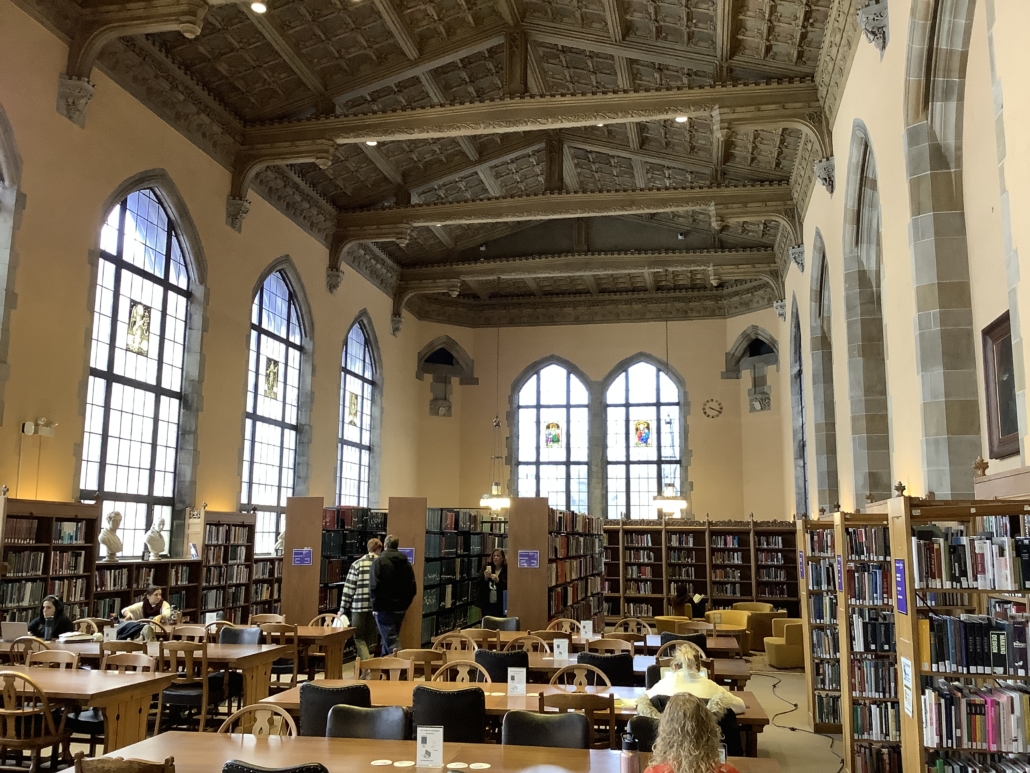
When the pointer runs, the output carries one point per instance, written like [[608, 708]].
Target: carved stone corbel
[[102, 22], [826, 173], [873, 20], [405, 290], [797, 254], [253, 159], [780, 307], [343, 237]]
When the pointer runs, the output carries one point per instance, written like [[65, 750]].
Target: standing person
[[393, 587], [356, 599], [52, 620], [493, 585], [688, 739]]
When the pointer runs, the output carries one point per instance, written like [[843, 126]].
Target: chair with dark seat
[[461, 713], [652, 676], [618, 668], [385, 723], [233, 684], [501, 623], [237, 766], [645, 730], [285, 635], [194, 687], [694, 638], [531, 728], [316, 702], [498, 663], [598, 709]]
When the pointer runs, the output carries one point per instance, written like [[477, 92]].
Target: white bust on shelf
[[109, 536], [280, 543], [155, 540]]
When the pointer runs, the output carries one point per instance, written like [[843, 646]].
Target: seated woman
[[688, 739], [687, 678], [52, 621], [152, 607]]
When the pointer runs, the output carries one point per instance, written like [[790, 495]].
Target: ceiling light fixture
[[601, 125], [669, 502], [496, 499], [258, 7], [371, 143], [681, 119]]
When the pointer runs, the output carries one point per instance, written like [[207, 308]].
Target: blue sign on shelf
[[900, 588], [801, 564], [409, 553], [302, 556], [529, 559], [840, 573]]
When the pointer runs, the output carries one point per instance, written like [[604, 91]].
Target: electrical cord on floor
[[778, 678]]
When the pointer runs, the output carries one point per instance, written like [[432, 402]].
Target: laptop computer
[[11, 631]]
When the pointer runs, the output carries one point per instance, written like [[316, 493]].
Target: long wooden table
[[498, 702], [124, 698], [253, 661], [330, 643], [206, 752], [726, 646]]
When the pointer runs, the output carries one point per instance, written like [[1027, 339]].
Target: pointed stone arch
[[443, 358], [867, 356], [755, 349], [937, 54], [823, 420], [798, 417], [12, 202]]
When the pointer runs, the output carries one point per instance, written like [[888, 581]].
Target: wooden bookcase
[[121, 583], [612, 574], [774, 546], [575, 566], [48, 548], [528, 585], [303, 533], [816, 559], [686, 559], [731, 563], [868, 659], [346, 531], [643, 569], [227, 553], [909, 519], [268, 585]]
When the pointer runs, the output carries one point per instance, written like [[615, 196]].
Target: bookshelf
[[121, 583], [816, 557], [686, 552], [575, 583], [268, 585], [227, 553], [346, 531], [774, 545], [730, 560], [48, 548], [870, 711], [643, 570], [961, 631], [612, 573]]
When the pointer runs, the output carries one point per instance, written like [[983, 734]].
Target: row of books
[[112, 579], [238, 573], [820, 542], [768, 573], [822, 575], [331, 570], [680, 572], [966, 763], [446, 545], [333, 543], [225, 533], [178, 575], [264, 591], [69, 532], [635, 570], [451, 519], [876, 721], [773, 592], [264, 569], [956, 561], [329, 599], [687, 556], [646, 556], [24, 563], [446, 596], [644, 588], [21, 594], [681, 539], [238, 554], [872, 630], [214, 575], [727, 541], [107, 607], [350, 517], [561, 521], [567, 595], [973, 644], [565, 545], [586, 609], [69, 589], [214, 554], [688, 587], [20, 531], [876, 759], [826, 675], [874, 678], [994, 718], [769, 540], [727, 574], [643, 608], [769, 558], [827, 708], [637, 539], [451, 569], [568, 569], [727, 589], [869, 543], [822, 608], [728, 557], [825, 643], [868, 584]]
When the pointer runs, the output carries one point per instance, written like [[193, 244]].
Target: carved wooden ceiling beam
[[407, 290], [294, 58], [102, 21], [785, 103]]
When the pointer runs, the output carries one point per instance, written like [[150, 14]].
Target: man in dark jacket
[[393, 587]]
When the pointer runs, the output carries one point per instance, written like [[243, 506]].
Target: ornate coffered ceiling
[[501, 161]]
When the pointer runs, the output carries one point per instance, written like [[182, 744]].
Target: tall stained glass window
[[357, 391], [271, 427], [642, 410], [134, 394], [553, 432]]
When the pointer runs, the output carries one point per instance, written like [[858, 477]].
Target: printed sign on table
[[588, 627], [302, 556], [516, 681], [529, 559], [561, 649], [429, 747]]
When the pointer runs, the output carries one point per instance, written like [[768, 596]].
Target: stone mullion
[[823, 421]]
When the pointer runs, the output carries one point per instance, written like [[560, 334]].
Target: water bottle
[[629, 759]]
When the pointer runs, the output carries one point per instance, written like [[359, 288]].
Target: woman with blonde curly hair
[[688, 739]]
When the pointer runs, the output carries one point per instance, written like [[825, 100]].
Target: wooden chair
[[610, 646], [27, 723], [285, 635], [633, 625], [485, 638], [100, 622], [455, 642], [426, 661], [129, 662], [266, 618], [191, 689], [668, 649], [549, 636], [594, 706], [22, 646], [90, 722], [580, 676], [120, 765], [159, 631], [328, 620], [529, 643], [214, 629], [62, 659], [115, 647], [391, 669], [260, 720], [194, 633], [565, 625], [462, 671], [85, 625], [314, 658], [636, 639]]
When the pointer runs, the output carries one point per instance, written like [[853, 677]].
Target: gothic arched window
[[357, 395]]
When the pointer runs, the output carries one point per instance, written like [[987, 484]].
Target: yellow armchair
[[760, 621], [734, 617], [667, 623], [785, 648]]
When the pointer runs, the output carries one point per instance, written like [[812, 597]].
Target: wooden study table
[[576, 643], [124, 698], [717, 646], [330, 643], [206, 752], [253, 661], [498, 702]]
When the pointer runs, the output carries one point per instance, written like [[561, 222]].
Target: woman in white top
[[686, 678], [152, 607]]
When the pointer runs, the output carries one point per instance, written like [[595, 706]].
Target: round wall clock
[[712, 408]]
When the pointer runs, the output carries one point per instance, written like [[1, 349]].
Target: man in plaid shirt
[[357, 599]]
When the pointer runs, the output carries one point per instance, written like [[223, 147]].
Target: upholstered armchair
[[785, 648], [667, 623], [734, 617], [759, 621]]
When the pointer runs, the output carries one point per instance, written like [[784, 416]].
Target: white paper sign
[[516, 681], [111, 633], [588, 627], [907, 683], [561, 649], [429, 747]]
